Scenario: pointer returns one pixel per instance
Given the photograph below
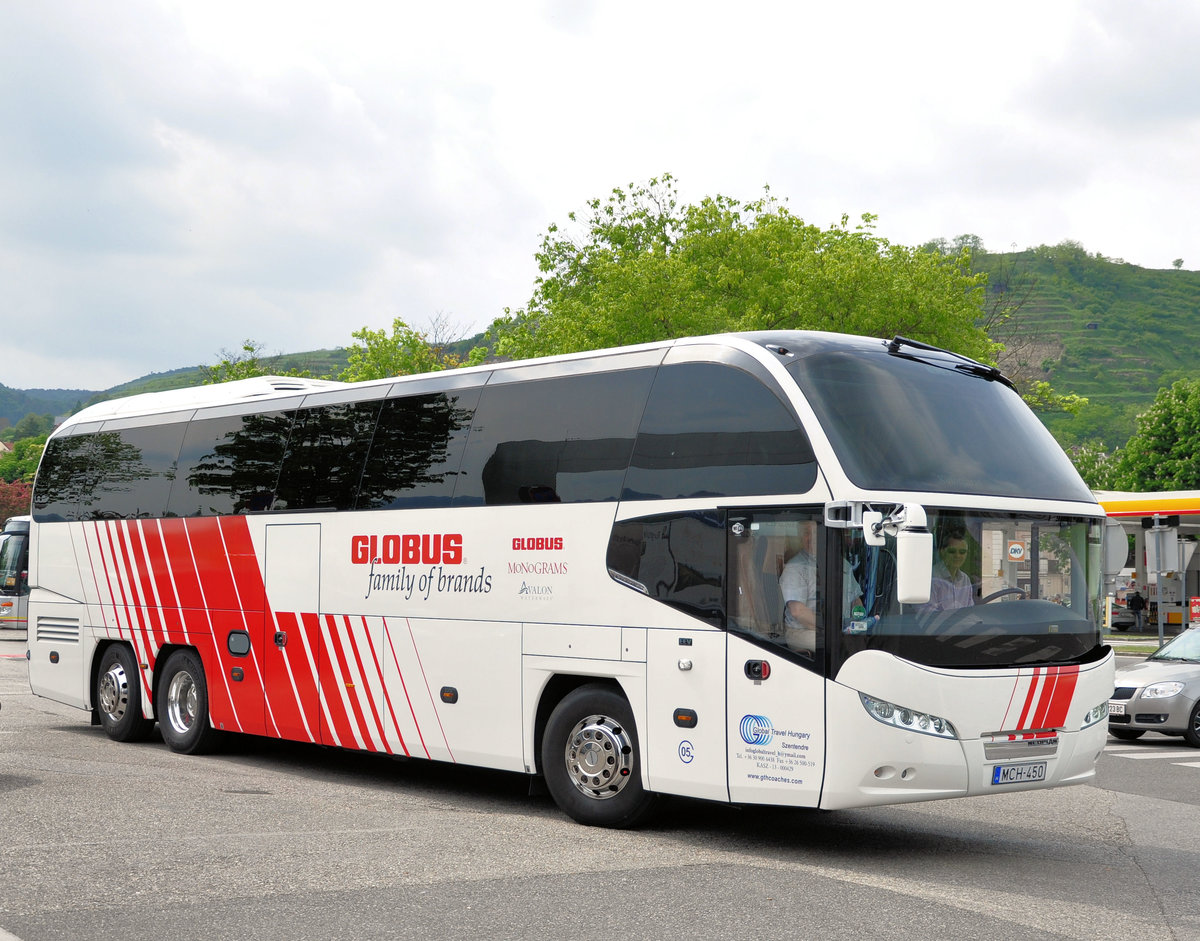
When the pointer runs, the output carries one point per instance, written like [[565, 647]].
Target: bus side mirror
[[914, 557], [914, 566]]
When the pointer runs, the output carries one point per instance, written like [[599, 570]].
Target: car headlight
[[1095, 714], [1162, 691], [911, 720]]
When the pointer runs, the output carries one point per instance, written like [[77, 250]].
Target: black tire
[[1191, 734], [181, 703], [592, 762], [1126, 735], [119, 696]]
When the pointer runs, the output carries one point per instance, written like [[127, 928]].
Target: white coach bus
[[796, 569], [14, 572]]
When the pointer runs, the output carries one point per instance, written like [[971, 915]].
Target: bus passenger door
[[293, 583], [776, 693]]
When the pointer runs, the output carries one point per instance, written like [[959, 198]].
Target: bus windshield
[[13, 562], [901, 423], [1008, 590]]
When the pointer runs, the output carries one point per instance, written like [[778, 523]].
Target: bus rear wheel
[[591, 761], [182, 705], [119, 696]]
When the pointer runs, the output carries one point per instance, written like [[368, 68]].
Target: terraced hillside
[[1101, 328]]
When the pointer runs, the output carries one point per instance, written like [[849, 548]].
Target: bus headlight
[[1095, 714], [911, 720]]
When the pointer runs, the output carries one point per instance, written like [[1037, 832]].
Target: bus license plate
[[1019, 774], [1116, 708]]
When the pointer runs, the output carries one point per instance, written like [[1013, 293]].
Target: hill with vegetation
[[1090, 325], [1101, 328], [15, 404]]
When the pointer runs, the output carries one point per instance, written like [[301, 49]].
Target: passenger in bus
[[951, 586], [798, 582]]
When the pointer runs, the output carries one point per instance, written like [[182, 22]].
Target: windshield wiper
[[964, 364]]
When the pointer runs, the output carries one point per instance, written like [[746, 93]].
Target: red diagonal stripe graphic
[[1033, 689], [387, 694], [329, 683], [368, 692], [355, 713]]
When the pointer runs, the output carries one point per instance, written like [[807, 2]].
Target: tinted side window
[[680, 560], [418, 446], [65, 475], [135, 468], [230, 464], [325, 456], [566, 439], [714, 430]]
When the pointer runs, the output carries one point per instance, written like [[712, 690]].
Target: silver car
[[1160, 694]]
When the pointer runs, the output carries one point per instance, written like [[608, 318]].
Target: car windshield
[[1008, 589], [1184, 647]]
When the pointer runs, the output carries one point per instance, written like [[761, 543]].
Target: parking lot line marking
[[1187, 764], [1158, 754]]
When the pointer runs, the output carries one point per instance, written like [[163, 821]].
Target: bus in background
[[780, 568], [14, 572]]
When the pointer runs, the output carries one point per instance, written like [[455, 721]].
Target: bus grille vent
[[58, 630]]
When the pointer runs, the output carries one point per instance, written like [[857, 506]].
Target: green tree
[[245, 365], [406, 352], [1164, 452], [1095, 464], [31, 426], [22, 461], [642, 267]]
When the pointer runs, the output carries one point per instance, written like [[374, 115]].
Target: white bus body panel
[[688, 670], [873, 763], [60, 627], [775, 730]]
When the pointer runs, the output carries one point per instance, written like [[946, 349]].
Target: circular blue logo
[[686, 753], [756, 730]]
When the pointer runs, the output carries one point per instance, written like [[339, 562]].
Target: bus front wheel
[[591, 761], [182, 701], [119, 696]]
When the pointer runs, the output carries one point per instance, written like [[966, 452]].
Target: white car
[[1160, 694]]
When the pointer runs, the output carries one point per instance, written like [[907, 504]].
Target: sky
[[178, 177]]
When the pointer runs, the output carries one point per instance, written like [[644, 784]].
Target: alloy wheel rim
[[182, 697], [599, 757], [114, 692]]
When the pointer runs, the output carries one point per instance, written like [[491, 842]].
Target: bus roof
[[223, 393], [272, 387]]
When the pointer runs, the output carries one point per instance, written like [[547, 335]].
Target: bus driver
[[951, 586]]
